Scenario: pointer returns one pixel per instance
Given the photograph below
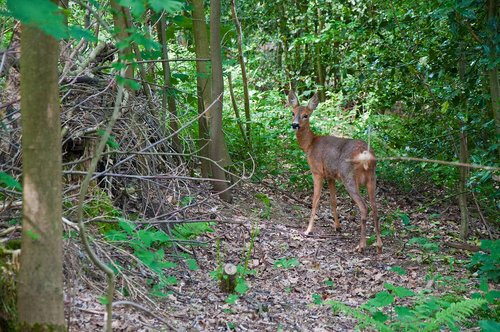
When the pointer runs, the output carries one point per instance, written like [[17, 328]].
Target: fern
[[455, 313], [363, 319]]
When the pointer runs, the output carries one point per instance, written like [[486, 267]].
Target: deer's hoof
[[307, 233], [360, 249], [337, 229]]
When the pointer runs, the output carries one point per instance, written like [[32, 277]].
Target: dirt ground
[[279, 298]]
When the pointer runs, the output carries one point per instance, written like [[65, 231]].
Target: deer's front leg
[[333, 201], [318, 183]]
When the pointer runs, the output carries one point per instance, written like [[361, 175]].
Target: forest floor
[[326, 266]]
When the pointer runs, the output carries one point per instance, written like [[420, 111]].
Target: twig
[[146, 310], [481, 217], [442, 162], [145, 177], [93, 257]]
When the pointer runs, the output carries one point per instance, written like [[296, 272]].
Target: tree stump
[[228, 278]]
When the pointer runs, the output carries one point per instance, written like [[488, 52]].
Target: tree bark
[[218, 148], [493, 72], [241, 60], [121, 34], [203, 84], [168, 100], [464, 159], [40, 282]]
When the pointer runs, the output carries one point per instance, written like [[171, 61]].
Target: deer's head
[[301, 114]]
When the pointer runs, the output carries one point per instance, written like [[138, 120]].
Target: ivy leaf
[[170, 6]]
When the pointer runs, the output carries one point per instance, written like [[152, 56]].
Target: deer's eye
[[305, 116]]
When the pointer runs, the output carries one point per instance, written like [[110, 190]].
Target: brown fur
[[334, 158]]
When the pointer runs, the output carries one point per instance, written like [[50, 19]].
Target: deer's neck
[[305, 137]]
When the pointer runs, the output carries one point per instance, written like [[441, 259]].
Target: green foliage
[[149, 244], [487, 261], [266, 213], [286, 263], [44, 15], [192, 230], [9, 182], [426, 313]]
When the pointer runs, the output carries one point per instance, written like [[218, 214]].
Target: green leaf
[[34, 236], [329, 283], [10, 182], [399, 291], [232, 298], [382, 299], [379, 316], [42, 14], [170, 6], [317, 299], [114, 235], [403, 312], [103, 300], [241, 286], [137, 7], [286, 263], [126, 225], [489, 326], [405, 219], [398, 269], [78, 32], [192, 265]]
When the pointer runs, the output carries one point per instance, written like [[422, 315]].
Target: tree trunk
[[218, 148], [320, 70], [40, 282], [464, 158], [493, 72], [462, 197], [241, 59], [203, 86], [121, 34], [168, 93]]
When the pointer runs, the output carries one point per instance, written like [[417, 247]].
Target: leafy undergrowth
[[288, 282]]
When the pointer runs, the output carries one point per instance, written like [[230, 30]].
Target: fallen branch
[[463, 246]]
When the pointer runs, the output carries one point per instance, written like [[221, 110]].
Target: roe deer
[[332, 158]]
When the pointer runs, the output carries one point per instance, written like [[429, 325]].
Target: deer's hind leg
[[370, 188], [352, 187], [333, 201]]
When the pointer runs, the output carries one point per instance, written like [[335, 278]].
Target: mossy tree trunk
[[40, 282]]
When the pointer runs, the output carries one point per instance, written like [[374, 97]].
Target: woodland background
[[167, 125]]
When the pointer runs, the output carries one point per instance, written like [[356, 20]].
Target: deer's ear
[[313, 102], [292, 99]]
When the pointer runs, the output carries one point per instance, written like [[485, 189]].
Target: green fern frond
[[363, 319], [455, 313]]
